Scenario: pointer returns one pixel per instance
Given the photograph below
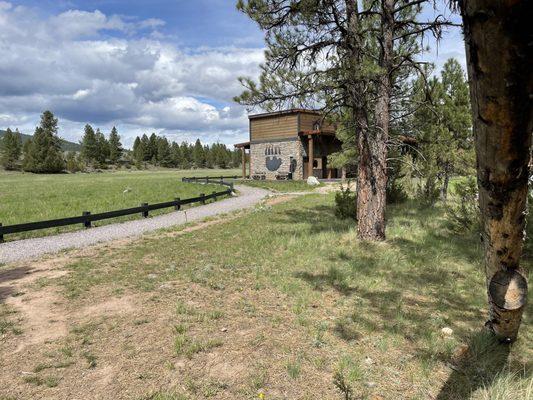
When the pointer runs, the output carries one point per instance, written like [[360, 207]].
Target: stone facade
[[272, 159]]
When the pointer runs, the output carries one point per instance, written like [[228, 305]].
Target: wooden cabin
[[290, 144]]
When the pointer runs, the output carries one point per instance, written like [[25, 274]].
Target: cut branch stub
[[508, 290]]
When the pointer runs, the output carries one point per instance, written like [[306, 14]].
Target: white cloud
[[107, 70], [70, 64]]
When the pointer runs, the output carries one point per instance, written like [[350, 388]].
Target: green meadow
[[26, 197]]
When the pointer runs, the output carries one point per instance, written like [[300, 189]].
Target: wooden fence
[[144, 209]]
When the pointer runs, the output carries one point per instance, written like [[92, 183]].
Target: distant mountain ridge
[[65, 144]]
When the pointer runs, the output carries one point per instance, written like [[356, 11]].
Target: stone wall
[[274, 158]]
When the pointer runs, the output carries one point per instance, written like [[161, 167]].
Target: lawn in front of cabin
[[281, 302]]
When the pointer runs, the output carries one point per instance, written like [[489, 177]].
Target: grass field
[[299, 309], [32, 197], [281, 186]]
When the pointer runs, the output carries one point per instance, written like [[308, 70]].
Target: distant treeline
[[42, 153], [157, 150]]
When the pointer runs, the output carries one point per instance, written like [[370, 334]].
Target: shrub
[[346, 203], [396, 192], [464, 213], [427, 191]]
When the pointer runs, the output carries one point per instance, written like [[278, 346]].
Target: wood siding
[[274, 127], [308, 120]]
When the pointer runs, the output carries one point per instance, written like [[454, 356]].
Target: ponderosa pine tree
[[115, 147], [43, 152], [441, 122], [163, 152], [342, 57], [147, 151], [498, 50], [10, 149], [102, 148], [138, 150], [198, 154], [89, 145]]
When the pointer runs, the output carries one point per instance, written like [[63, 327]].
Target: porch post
[[311, 154], [250, 162], [243, 153]]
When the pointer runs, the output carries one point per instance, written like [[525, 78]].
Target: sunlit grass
[[371, 314], [28, 197]]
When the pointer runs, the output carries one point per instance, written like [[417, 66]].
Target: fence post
[[145, 212], [202, 198], [231, 186], [1, 234], [178, 205], [86, 223]]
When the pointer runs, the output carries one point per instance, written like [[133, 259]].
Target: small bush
[[346, 203], [464, 214], [428, 192], [396, 192]]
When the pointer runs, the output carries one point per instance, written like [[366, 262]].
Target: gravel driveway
[[33, 248]]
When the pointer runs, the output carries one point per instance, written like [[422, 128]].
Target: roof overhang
[[284, 112], [244, 145]]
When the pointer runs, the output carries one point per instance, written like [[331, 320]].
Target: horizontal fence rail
[[87, 217]]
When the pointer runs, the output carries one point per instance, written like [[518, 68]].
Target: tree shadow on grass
[[333, 278], [478, 365], [317, 219]]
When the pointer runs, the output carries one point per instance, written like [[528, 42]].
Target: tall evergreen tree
[[138, 150], [163, 152], [175, 155], [147, 150], [115, 147], [102, 148], [43, 153], [198, 155], [10, 149], [186, 155], [442, 124], [152, 148], [89, 145]]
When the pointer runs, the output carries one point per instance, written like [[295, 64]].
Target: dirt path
[[33, 248]]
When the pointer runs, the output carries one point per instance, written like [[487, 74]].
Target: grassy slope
[[303, 303], [32, 197]]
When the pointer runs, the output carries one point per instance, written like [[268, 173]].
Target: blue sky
[[164, 66], [190, 23]]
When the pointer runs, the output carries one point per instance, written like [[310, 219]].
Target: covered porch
[[244, 157], [318, 145]]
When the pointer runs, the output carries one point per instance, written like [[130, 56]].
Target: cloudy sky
[[164, 66]]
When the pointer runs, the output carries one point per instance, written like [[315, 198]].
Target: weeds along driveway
[[32, 248]]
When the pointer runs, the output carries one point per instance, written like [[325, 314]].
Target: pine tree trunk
[[497, 35], [372, 174], [371, 186]]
